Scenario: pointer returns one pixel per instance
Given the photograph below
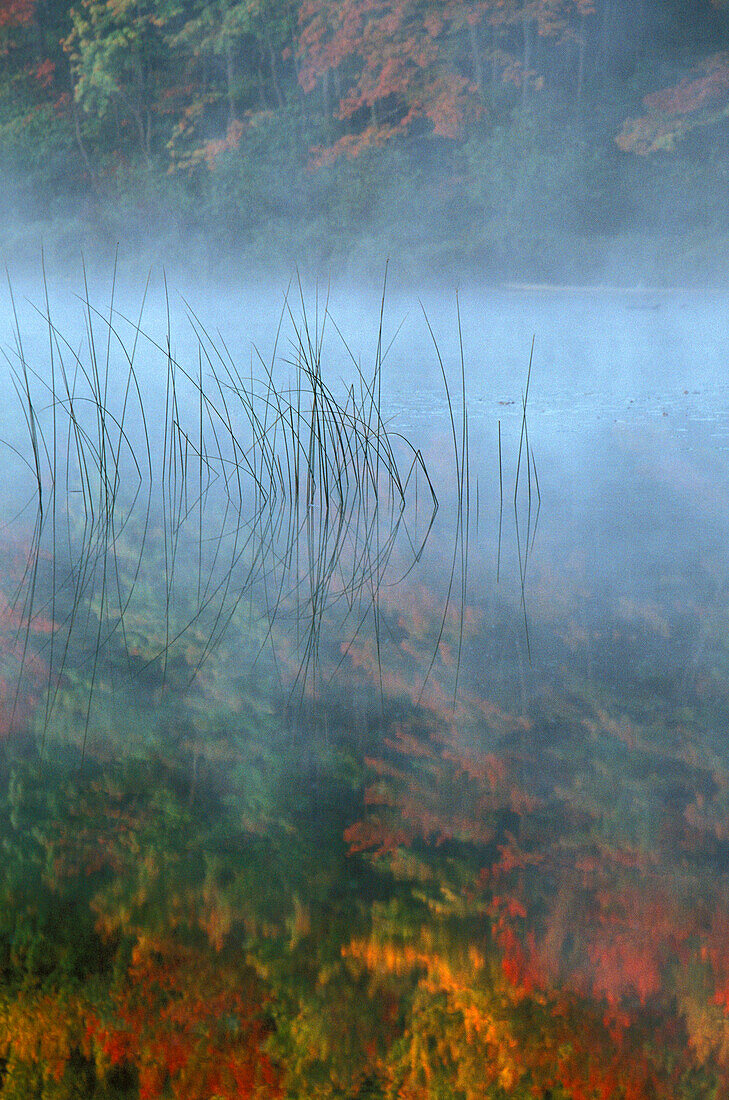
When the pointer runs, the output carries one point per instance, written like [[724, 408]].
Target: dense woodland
[[514, 130]]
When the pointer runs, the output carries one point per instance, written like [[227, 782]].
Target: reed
[[286, 488]]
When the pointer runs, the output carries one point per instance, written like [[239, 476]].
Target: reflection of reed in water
[[292, 499], [531, 526]]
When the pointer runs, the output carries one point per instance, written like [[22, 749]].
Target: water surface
[[313, 788]]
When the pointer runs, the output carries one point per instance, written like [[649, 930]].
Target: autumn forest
[[534, 135]]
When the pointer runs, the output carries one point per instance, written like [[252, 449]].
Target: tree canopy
[[323, 113]]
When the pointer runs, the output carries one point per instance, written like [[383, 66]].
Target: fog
[[364, 504], [586, 145], [627, 397]]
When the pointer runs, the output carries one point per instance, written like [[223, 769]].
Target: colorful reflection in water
[[379, 845]]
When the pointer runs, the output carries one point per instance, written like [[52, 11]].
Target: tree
[[418, 65], [120, 65], [235, 69], [699, 99]]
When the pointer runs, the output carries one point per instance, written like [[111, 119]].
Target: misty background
[[310, 787], [556, 140]]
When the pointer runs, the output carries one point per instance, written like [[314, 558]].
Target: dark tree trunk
[[274, 67], [230, 82], [476, 61]]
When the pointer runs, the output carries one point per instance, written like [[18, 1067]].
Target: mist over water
[[364, 645], [443, 705]]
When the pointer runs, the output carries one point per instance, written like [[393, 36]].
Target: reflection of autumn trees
[[23, 666], [122, 949], [40, 1035], [186, 1010], [493, 905], [458, 1032], [594, 923], [191, 1022]]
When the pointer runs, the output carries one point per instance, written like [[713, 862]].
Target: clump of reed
[[288, 488]]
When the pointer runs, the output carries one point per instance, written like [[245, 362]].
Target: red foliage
[[711, 85], [17, 13], [394, 61], [452, 794], [44, 72], [192, 1026]]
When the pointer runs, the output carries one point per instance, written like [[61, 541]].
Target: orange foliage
[[212, 149], [42, 1029], [697, 100], [44, 72], [392, 57], [472, 1031]]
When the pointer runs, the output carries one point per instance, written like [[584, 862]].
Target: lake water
[[354, 747]]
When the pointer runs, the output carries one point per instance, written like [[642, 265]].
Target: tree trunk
[[325, 97], [82, 147], [605, 34], [261, 87], [230, 80], [494, 66], [639, 30], [294, 55], [142, 113], [526, 61], [476, 63], [274, 67]]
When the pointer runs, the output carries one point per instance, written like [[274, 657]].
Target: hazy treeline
[[515, 123]]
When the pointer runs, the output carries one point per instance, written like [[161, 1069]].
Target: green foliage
[[303, 128]]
